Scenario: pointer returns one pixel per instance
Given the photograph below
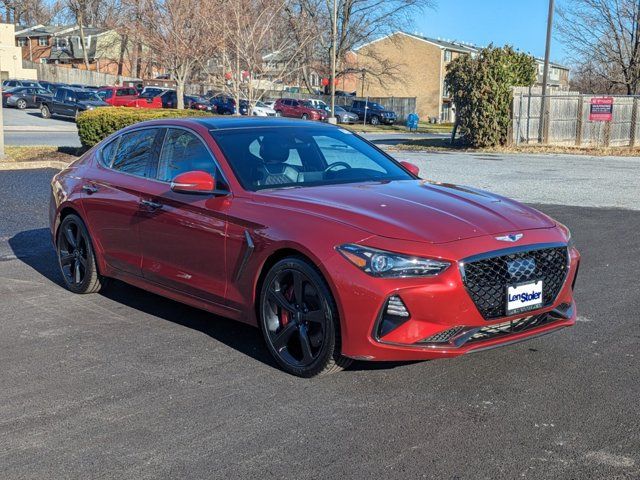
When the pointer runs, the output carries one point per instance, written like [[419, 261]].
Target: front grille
[[486, 279]]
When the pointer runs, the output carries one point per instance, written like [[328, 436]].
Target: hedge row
[[96, 125]]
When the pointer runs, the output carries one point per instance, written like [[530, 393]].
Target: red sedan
[[326, 243], [304, 109]]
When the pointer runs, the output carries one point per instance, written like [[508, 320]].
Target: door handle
[[151, 204], [90, 189]]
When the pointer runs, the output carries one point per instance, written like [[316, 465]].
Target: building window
[[43, 41], [447, 55], [554, 73], [22, 42]]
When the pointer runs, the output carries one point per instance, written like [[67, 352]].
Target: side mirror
[[196, 181], [411, 167]]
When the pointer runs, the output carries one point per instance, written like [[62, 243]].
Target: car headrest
[[274, 150]]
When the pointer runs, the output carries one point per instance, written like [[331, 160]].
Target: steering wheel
[[337, 164]]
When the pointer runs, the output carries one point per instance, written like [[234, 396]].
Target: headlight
[[380, 263]]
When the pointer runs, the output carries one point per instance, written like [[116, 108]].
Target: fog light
[[394, 314], [396, 307]]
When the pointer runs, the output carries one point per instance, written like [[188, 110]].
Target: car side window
[[181, 152], [135, 152], [107, 152], [60, 93]]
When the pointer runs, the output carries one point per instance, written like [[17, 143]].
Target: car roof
[[223, 123]]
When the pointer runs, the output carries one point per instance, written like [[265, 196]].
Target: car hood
[[414, 210]]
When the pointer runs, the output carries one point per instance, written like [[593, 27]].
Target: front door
[[112, 197], [183, 236]]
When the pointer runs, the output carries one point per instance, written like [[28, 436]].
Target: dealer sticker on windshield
[[524, 297]]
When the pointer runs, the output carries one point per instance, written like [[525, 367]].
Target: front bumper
[[440, 308]]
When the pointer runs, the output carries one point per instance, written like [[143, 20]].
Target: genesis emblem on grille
[[512, 237]]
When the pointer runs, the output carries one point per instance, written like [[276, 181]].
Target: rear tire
[[278, 113], [305, 116], [299, 320], [21, 104], [45, 112], [76, 257]]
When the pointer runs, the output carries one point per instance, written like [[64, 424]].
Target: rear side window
[[183, 151], [108, 152], [123, 92], [135, 152]]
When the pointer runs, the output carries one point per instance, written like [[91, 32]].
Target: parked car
[[197, 103], [118, 96], [51, 86], [69, 102], [319, 104], [146, 102], [25, 97], [226, 105], [262, 110], [290, 107], [20, 83], [374, 112], [342, 116], [324, 272]]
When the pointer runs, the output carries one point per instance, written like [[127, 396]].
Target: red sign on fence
[[601, 109]]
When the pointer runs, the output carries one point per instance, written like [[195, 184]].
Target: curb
[[35, 128], [58, 165]]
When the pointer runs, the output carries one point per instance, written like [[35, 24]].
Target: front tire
[[45, 112], [375, 120], [305, 116], [299, 320], [76, 257]]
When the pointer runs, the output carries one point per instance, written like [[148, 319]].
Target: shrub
[[96, 125], [481, 88]]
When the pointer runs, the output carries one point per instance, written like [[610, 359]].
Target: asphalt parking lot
[[130, 385]]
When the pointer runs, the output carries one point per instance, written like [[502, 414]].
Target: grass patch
[[399, 128], [440, 144], [40, 153]]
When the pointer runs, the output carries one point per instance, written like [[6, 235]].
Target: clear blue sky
[[521, 23]]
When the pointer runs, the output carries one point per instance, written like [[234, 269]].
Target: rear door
[[183, 236], [113, 196]]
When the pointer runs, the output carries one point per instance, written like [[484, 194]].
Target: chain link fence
[[568, 120]]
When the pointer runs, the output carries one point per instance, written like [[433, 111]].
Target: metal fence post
[[634, 123], [579, 121]]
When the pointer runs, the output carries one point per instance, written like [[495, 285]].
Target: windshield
[[308, 104], [279, 157], [375, 106], [88, 96], [260, 104]]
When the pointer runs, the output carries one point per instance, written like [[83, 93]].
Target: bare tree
[[29, 12], [181, 35], [359, 21], [604, 38], [260, 46]]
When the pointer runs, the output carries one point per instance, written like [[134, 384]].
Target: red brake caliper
[[285, 315]]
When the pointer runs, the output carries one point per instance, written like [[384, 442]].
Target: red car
[[322, 240], [118, 96], [289, 107]]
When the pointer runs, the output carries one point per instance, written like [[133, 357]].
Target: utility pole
[[545, 73], [333, 61]]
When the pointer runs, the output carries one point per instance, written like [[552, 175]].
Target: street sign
[[601, 109]]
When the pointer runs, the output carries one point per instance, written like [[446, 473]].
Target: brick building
[[421, 68]]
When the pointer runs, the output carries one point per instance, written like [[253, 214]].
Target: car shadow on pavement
[[33, 247]]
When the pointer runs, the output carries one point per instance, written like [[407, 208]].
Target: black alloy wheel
[[76, 257], [299, 320]]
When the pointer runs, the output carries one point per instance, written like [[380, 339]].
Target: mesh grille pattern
[[507, 328], [487, 279], [443, 337]]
